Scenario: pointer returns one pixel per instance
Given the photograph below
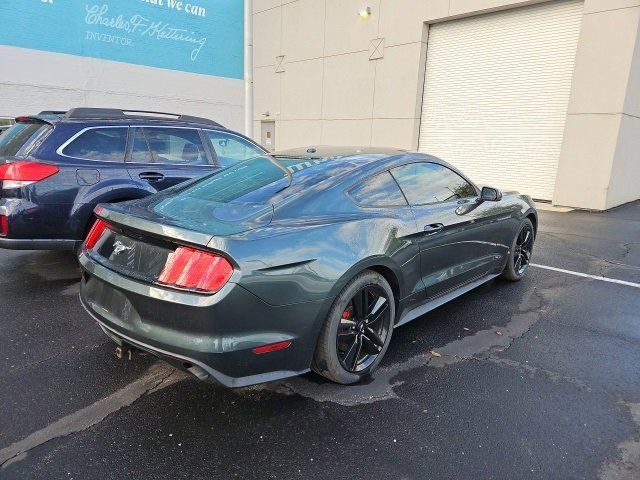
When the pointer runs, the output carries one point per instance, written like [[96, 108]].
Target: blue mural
[[199, 36]]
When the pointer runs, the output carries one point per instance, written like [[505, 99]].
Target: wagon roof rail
[[117, 114]]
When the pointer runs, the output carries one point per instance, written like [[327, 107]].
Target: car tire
[[520, 252], [371, 331]]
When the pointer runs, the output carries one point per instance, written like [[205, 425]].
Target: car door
[[458, 240], [230, 149], [166, 156]]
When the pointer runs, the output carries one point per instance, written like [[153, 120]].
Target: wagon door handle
[[433, 228], [151, 176]]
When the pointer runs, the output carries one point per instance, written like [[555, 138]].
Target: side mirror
[[489, 194]]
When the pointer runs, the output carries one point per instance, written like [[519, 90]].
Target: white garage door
[[496, 93]]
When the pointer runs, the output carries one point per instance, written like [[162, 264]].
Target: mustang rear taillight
[[196, 270], [4, 225], [95, 233], [22, 173]]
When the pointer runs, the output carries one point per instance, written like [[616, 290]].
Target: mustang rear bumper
[[210, 336]]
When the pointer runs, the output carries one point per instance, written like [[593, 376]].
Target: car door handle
[[433, 228], [151, 176]]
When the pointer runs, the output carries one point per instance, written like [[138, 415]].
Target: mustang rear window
[[252, 181]]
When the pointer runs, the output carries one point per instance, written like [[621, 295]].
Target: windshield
[[20, 139]]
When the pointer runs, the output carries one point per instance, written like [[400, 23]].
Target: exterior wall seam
[[611, 10]]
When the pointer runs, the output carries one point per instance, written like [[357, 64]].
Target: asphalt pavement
[[537, 379]]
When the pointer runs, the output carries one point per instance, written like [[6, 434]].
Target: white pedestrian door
[[496, 93]]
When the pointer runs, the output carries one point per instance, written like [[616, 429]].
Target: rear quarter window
[[106, 144], [21, 138], [378, 191]]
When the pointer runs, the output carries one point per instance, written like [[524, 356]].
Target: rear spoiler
[[110, 215], [46, 116]]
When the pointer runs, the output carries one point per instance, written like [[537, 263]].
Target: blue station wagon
[[55, 167]]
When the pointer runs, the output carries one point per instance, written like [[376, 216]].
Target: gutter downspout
[[248, 68]]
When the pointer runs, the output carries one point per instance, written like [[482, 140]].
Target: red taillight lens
[[95, 233], [4, 225], [196, 270], [20, 174]]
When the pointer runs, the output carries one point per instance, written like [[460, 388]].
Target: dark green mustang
[[302, 260]]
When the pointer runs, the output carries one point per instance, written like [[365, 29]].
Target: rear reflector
[[4, 225], [20, 174], [95, 233], [196, 270], [272, 347]]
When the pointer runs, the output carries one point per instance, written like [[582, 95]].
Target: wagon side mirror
[[489, 194]]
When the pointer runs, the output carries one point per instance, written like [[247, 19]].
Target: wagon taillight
[[21, 173]]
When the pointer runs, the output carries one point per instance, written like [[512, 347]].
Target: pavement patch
[[627, 466], [158, 376]]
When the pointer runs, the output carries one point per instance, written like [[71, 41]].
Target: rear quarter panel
[[313, 259]]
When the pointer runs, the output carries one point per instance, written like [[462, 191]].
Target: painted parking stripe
[[586, 275]]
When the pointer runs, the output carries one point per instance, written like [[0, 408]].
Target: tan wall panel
[[625, 175], [291, 134], [587, 156], [348, 86], [262, 5], [632, 101], [403, 21], [395, 132], [303, 29], [603, 61], [591, 6], [266, 93], [345, 31], [266, 37], [302, 90], [346, 132], [402, 66]]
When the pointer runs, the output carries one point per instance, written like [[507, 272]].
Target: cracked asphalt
[[538, 379]]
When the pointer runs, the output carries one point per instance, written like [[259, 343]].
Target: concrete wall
[[328, 76], [600, 161], [31, 81]]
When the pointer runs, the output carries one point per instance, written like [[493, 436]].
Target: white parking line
[[586, 275]]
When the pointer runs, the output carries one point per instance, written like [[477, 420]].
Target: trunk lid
[[143, 234]]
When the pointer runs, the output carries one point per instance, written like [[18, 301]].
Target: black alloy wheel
[[363, 329], [357, 330], [523, 249]]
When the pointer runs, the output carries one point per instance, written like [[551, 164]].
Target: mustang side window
[[424, 183], [99, 144], [379, 191]]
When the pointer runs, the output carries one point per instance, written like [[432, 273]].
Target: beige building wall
[[326, 75]]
